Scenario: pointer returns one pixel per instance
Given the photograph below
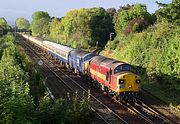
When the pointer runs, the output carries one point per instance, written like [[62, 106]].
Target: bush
[[156, 49]]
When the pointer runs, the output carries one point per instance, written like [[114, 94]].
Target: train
[[117, 78]]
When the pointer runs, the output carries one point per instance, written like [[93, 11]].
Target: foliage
[[22, 23], [68, 111], [158, 51], [40, 24], [16, 105], [154, 52], [55, 29], [136, 25], [111, 12], [81, 28], [22, 98], [127, 14], [169, 12], [4, 25]]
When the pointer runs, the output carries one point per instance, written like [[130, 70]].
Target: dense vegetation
[[40, 24], [150, 42], [155, 49], [22, 23], [3, 23], [23, 96], [79, 28]]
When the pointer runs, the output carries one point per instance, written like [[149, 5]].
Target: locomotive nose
[[129, 82]]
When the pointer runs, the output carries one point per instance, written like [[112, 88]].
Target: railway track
[[104, 113], [158, 117], [159, 105], [101, 107], [148, 113], [145, 112]]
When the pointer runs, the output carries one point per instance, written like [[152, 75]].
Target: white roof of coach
[[58, 46]]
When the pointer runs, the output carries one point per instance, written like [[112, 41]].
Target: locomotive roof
[[58, 46], [109, 62], [80, 53], [36, 38]]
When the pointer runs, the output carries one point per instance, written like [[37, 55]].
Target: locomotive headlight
[[121, 81], [130, 86], [138, 81]]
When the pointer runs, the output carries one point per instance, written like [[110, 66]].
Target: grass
[[162, 93]]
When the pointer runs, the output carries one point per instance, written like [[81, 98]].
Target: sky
[[13, 9]]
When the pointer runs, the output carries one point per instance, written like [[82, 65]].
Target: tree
[[82, 28], [40, 24], [39, 15], [55, 29], [169, 12], [22, 23], [111, 11], [101, 26], [126, 14], [3, 23], [40, 27]]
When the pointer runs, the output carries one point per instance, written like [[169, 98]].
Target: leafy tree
[[111, 11], [55, 29], [169, 12], [128, 13], [136, 25], [22, 23], [40, 27], [40, 24], [39, 15], [101, 25], [3, 23], [82, 28]]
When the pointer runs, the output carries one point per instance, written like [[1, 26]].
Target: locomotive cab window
[[123, 67]]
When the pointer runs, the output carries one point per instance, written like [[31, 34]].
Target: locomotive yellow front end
[[128, 84]]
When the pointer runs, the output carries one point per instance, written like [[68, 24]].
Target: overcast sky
[[12, 9]]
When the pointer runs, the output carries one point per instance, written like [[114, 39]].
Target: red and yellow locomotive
[[114, 77]]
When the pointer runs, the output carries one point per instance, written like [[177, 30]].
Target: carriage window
[[88, 57], [107, 75]]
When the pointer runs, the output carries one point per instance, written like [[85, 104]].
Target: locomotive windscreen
[[124, 67]]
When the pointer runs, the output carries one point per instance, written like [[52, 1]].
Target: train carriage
[[114, 76], [36, 41], [58, 51], [79, 60]]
